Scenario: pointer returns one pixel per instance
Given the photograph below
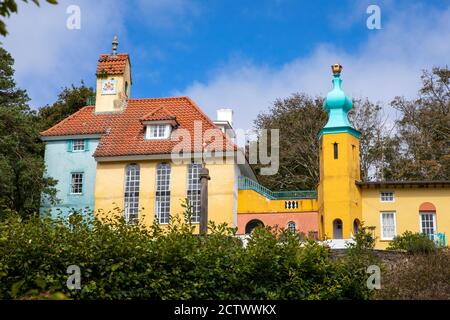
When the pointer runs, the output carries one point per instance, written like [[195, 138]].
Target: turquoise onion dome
[[337, 105]]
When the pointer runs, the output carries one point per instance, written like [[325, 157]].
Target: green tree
[[422, 140], [69, 101], [10, 6], [21, 151]]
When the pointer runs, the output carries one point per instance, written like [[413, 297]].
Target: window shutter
[[69, 145], [86, 145]]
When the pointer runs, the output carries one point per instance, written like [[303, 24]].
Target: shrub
[[413, 243], [121, 261]]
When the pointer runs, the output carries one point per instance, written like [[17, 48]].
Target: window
[[158, 131], [387, 196], [291, 226], [335, 150], [78, 145], [193, 190], [131, 197], [428, 223], [388, 229], [162, 206], [76, 186]]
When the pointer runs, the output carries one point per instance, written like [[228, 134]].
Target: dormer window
[[158, 131]]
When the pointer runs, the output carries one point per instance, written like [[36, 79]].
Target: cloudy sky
[[232, 54]]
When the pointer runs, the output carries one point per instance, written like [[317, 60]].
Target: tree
[[10, 6], [21, 151], [69, 101], [300, 119], [422, 140]]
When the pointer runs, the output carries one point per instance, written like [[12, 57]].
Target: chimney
[[225, 115]]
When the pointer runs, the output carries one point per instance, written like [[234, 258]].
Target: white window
[[428, 223], [193, 190], [291, 226], [131, 197], [158, 131], [76, 186], [387, 196], [162, 206], [388, 226], [78, 145]]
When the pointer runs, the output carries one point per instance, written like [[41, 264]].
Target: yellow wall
[[251, 201], [339, 197], [109, 190], [406, 207], [105, 103]]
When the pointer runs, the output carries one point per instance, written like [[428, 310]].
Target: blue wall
[[60, 164]]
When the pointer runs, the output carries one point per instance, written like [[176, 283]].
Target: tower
[[339, 196], [113, 81]]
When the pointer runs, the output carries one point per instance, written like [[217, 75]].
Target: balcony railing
[[248, 184]]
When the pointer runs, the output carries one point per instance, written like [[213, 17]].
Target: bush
[[413, 243], [120, 261]]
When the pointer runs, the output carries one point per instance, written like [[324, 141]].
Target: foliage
[[10, 6], [413, 243], [21, 151], [121, 261], [69, 101], [417, 277]]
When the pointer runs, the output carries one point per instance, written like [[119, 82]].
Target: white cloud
[[48, 55], [389, 63]]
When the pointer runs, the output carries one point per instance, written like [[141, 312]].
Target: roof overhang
[[404, 184], [72, 137]]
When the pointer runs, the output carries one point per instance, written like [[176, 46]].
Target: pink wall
[[305, 221]]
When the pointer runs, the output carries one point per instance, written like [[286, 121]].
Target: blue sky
[[234, 54]]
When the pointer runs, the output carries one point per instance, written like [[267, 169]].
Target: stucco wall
[[406, 206], [109, 190], [60, 163]]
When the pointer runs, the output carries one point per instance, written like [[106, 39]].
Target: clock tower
[[113, 81]]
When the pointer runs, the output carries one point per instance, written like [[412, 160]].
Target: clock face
[[109, 87]]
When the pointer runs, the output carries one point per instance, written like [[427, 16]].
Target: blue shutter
[[86, 145], [69, 145]]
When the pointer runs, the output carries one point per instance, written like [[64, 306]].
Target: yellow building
[[143, 157]]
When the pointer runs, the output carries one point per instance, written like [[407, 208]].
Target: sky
[[233, 54]]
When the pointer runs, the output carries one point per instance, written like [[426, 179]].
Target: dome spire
[[337, 105]]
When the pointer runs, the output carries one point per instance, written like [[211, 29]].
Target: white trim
[[434, 220], [387, 201], [74, 137], [164, 156], [381, 224], [167, 131]]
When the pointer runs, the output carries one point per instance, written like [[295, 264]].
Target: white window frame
[[382, 237], [162, 194], [193, 190], [158, 131], [381, 196], [132, 193], [72, 184], [289, 226], [82, 144], [434, 222]]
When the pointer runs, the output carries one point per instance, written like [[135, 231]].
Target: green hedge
[[413, 243], [119, 261]]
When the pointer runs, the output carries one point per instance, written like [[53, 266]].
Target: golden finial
[[336, 68]]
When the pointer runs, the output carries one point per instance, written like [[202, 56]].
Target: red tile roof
[[112, 65], [158, 115], [123, 133]]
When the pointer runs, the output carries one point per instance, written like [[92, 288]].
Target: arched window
[[252, 224], [131, 197], [337, 229], [356, 225], [291, 226], [193, 190], [162, 204], [427, 213]]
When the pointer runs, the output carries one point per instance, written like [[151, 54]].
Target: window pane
[[194, 190], [77, 183], [162, 205], [78, 145], [131, 197], [388, 225], [427, 222]]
